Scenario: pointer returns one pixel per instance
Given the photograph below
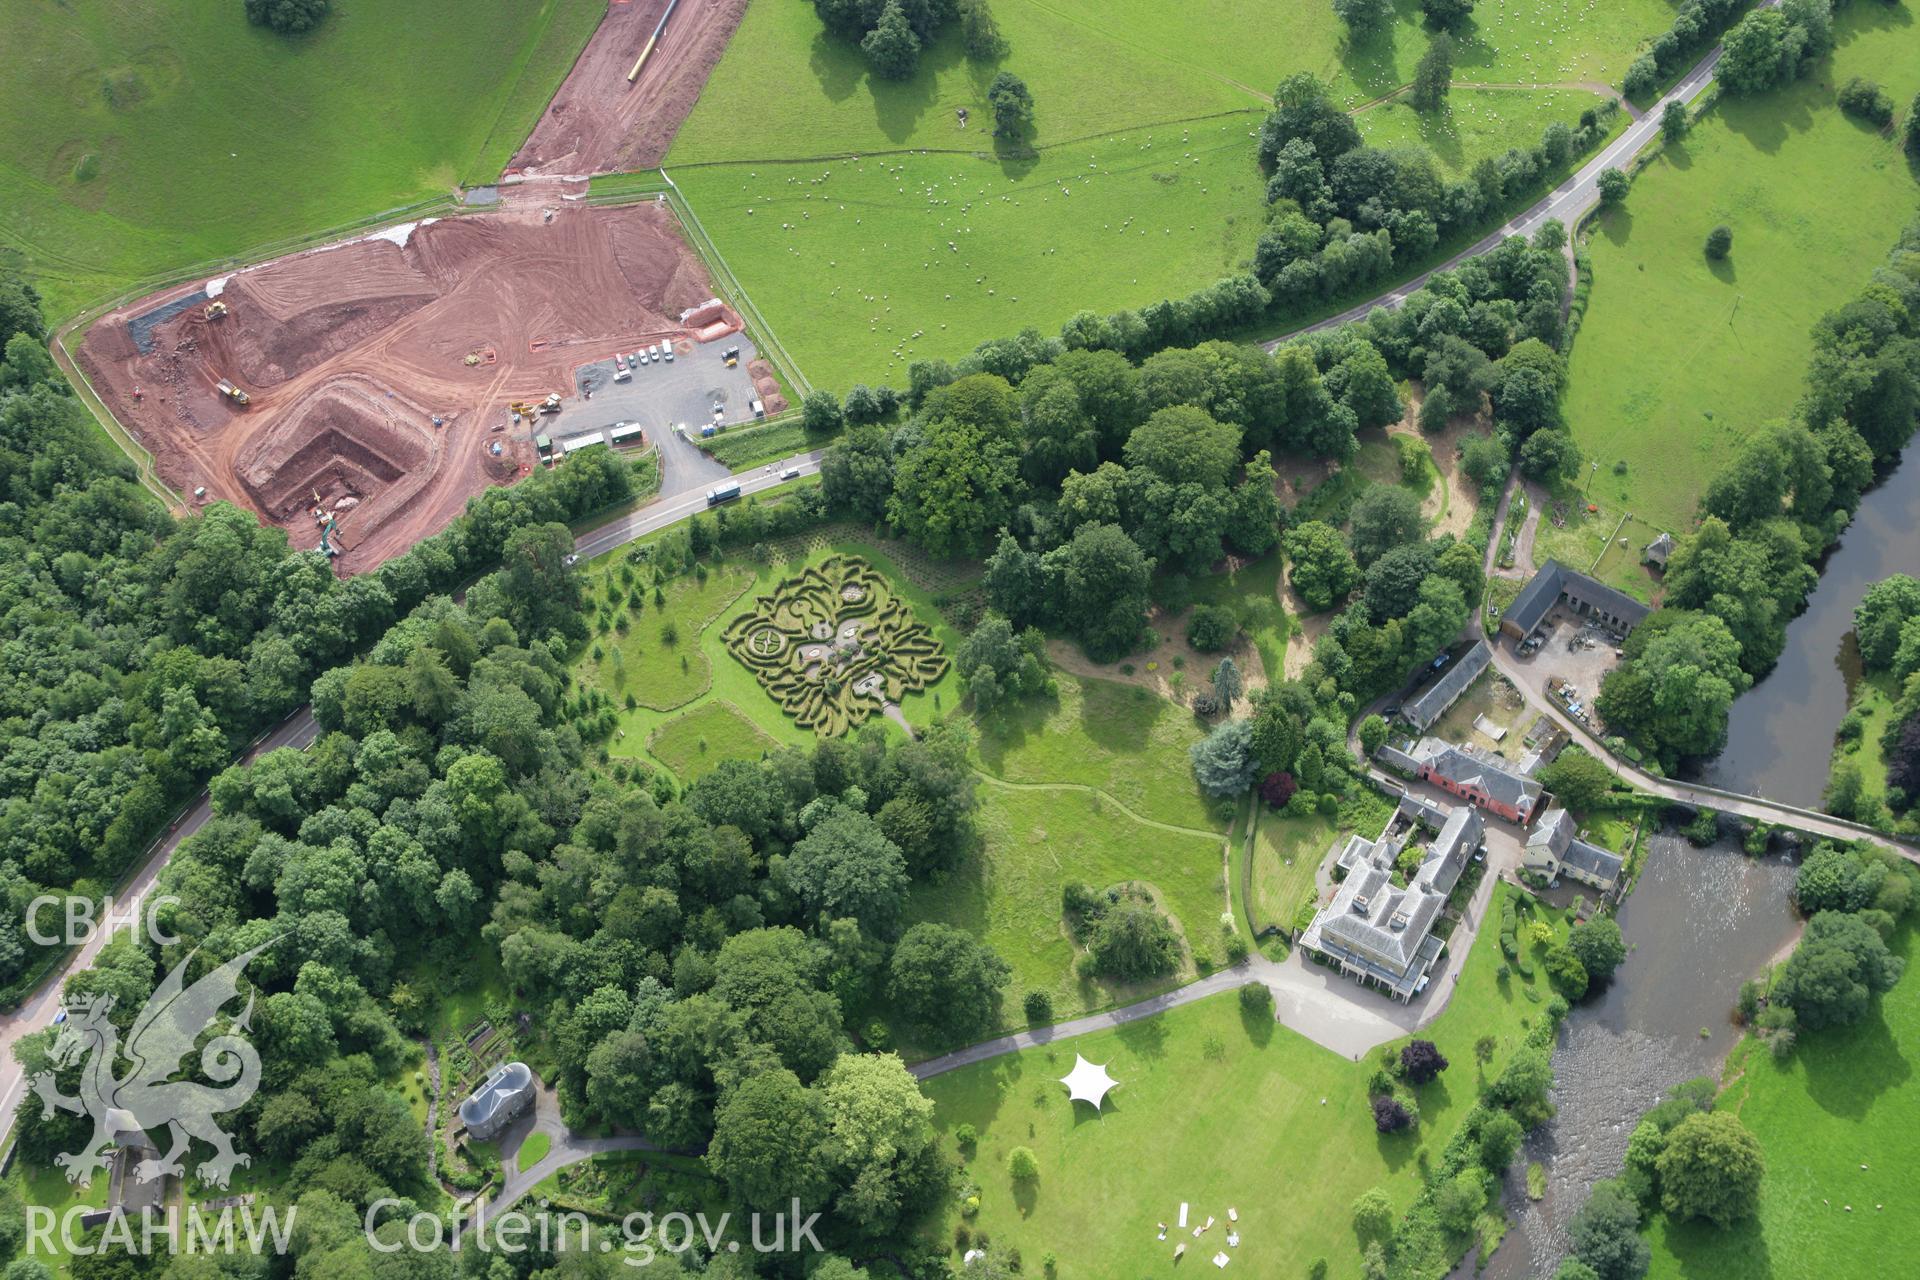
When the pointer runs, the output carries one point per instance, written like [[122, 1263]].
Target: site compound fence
[[725, 282]]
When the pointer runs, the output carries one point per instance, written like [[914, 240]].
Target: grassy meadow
[[863, 265], [1835, 1122], [1033, 841], [693, 744], [873, 228], [1680, 358], [137, 140], [1100, 66], [1219, 1110]]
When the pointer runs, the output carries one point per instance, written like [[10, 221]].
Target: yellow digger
[[216, 311]]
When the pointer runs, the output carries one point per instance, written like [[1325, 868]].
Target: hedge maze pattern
[[834, 644]]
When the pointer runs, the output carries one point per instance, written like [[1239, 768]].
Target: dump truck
[[233, 393]]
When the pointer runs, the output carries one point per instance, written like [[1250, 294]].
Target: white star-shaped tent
[[1086, 1082]]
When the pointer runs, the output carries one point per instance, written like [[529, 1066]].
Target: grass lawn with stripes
[[141, 139], [1679, 358]]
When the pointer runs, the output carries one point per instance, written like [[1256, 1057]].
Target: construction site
[[359, 394], [631, 89]]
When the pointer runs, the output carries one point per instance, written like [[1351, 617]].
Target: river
[[1698, 924], [1780, 735]]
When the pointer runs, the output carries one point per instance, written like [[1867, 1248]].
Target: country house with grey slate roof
[[1382, 933], [1554, 850], [502, 1097]]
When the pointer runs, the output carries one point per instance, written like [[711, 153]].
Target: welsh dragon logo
[[144, 1098]]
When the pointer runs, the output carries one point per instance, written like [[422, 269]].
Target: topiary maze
[[835, 644]]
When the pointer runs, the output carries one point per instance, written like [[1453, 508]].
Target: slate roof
[[1446, 691], [1380, 927], [499, 1089], [1553, 832], [1600, 863], [1545, 587], [1466, 769]]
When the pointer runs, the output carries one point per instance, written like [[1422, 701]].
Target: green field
[[1678, 358], [928, 240], [1836, 1124], [1097, 66], [210, 138], [694, 743], [1220, 1111], [659, 661], [864, 265], [1117, 738], [1286, 854], [1475, 123], [1034, 841], [1253, 593]]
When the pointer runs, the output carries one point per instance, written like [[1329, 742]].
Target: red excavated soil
[[598, 122], [350, 352]]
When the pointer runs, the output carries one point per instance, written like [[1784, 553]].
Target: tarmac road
[[38, 1009], [1567, 202], [299, 730]]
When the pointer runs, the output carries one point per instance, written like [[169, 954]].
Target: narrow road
[[299, 730], [1567, 202]]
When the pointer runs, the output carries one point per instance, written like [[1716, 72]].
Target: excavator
[[216, 310]]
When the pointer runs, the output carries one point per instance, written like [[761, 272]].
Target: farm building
[[1588, 597], [1480, 778], [1444, 692], [1658, 550]]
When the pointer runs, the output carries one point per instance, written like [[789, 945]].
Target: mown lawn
[[695, 743], [142, 139], [1220, 1111], [1836, 1124], [1252, 592], [1033, 843], [1286, 854], [1679, 359], [1118, 738]]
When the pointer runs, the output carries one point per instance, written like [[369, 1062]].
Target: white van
[[666, 352]]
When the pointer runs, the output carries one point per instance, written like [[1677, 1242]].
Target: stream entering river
[[1698, 924], [1780, 735]]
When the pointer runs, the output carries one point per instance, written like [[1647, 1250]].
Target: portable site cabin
[[544, 444], [625, 433], [574, 444]]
